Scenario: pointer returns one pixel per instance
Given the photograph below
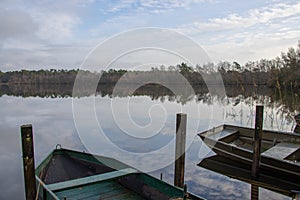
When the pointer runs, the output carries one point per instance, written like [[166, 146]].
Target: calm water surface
[[137, 130]]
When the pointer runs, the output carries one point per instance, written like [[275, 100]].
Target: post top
[[26, 126]]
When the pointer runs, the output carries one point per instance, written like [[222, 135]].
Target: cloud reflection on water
[[53, 123]]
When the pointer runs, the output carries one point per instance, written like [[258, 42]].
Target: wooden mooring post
[[257, 141], [181, 121], [28, 161]]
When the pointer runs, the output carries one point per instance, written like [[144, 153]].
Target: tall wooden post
[[181, 120], [28, 161], [257, 140]]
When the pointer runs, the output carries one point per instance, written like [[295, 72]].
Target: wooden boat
[[280, 151], [68, 174]]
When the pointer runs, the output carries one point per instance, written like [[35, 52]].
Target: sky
[[61, 34]]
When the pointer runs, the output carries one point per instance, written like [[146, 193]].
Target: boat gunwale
[[96, 159], [43, 164], [215, 129]]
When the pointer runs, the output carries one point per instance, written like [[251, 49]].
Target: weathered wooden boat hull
[[224, 147], [67, 174]]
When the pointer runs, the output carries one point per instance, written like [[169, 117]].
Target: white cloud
[[255, 47], [152, 6], [125, 4], [53, 22], [237, 21], [46, 33], [16, 23], [40, 34], [259, 33], [57, 26]]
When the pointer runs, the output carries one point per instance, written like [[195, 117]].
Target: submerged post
[[296, 195], [257, 140], [28, 161], [181, 120], [254, 192], [297, 127]]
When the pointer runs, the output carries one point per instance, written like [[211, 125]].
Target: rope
[[38, 189]]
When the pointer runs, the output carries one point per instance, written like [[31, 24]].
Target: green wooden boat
[[68, 174]]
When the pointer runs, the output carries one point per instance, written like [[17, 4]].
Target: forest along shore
[[281, 73]]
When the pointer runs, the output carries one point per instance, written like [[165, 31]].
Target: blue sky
[[59, 34]]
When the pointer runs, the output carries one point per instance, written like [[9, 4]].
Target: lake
[[138, 130]]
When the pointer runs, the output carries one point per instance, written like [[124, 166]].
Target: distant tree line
[[281, 73]]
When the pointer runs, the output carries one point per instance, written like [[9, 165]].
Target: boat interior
[[66, 174]]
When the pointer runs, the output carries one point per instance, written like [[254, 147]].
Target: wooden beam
[[28, 161], [181, 121], [257, 140]]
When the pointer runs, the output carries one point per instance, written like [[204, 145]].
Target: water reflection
[[280, 183], [288, 103], [52, 120], [52, 123]]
